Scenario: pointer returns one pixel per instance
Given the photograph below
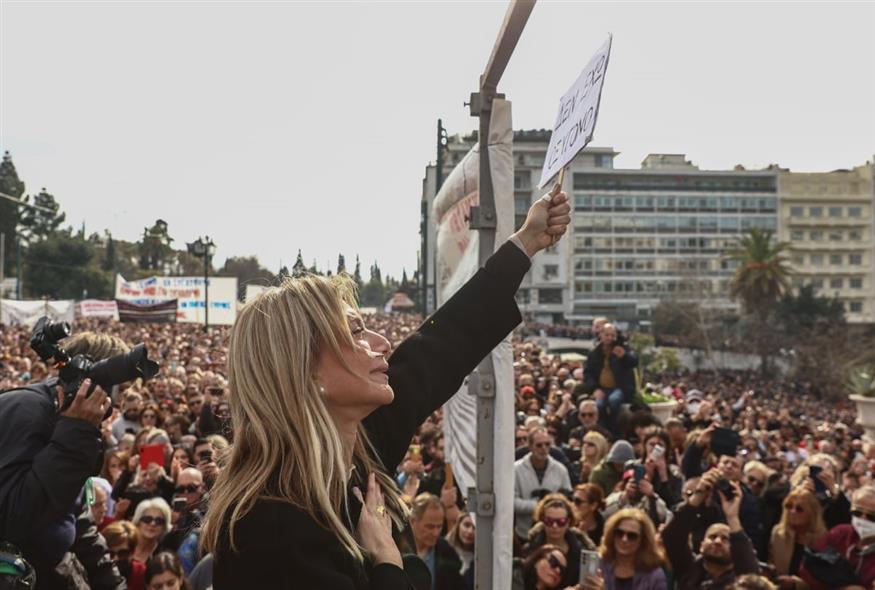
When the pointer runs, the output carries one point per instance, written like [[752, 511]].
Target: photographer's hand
[[732, 507], [90, 408]]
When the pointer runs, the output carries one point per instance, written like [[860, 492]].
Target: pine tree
[[11, 186], [299, 270], [341, 264], [357, 275], [109, 261], [38, 224]]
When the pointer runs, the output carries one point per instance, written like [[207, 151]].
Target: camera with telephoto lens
[[72, 371]]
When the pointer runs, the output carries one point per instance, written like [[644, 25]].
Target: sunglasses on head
[[555, 522], [632, 536], [156, 520], [556, 564], [189, 489], [860, 514]]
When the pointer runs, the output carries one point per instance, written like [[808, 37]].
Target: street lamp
[[204, 248]]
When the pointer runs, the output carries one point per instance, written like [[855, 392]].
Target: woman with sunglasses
[[544, 569], [152, 518], [589, 501], [630, 556], [593, 449], [555, 525], [121, 541], [801, 527]]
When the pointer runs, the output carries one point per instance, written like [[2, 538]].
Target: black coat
[[45, 460], [623, 369], [280, 545]]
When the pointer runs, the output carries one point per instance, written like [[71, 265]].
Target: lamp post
[[204, 248]]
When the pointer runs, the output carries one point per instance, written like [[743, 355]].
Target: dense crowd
[[771, 485]]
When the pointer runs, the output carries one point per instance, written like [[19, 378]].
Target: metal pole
[[2, 269], [207, 287], [482, 382], [18, 267]]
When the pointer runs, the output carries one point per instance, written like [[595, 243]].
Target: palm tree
[[761, 279]]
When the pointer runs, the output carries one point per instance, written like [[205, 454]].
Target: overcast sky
[[273, 126]]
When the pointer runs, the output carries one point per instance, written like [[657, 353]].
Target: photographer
[[47, 451], [726, 551]]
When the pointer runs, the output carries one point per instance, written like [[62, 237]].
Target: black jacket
[[45, 460], [280, 545], [623, 369]]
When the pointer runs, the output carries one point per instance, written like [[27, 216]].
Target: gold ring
[[381, 510]]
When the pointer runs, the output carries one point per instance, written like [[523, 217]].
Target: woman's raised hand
[[374, 531], [547, 220]]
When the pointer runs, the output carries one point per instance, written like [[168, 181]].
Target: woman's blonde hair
[[555, 500], [601, 443], [649, 555], [817, 526], [286, 445]]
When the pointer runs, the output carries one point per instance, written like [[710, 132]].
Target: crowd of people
[[753, 482]]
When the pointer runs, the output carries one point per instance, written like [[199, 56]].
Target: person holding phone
[[636, 491], [555, 524], [544, 569], [630, 557]]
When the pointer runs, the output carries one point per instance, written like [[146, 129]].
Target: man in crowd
[[129, 421], [48, 448], [725, 553], [426, 524], [609, 374], [536, 475], [588, 421]]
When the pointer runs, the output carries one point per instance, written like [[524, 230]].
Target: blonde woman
[[593, 449], [801, 526], [322, 415], [630, 555]]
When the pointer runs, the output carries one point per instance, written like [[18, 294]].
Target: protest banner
[[162, 312], [95, 308], [27, 312], [578, 111], [189, 292]]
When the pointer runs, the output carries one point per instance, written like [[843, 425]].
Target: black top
[[280, 545]]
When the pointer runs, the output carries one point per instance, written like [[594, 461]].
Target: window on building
[[855, 211], [551, 271], [856, 283], [836, 283], [855, 235], [817, 283], [522, 296], [855, 259], [815, 211], [835, 211], [549, 295], [522, 180], [835, 259], [796, 212], [856, 307], [797, 259], [816, 259], [797, 236], [816, 236], [835, 236]]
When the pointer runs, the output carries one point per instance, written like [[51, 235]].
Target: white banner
[[190, 293], [253, 291], [578, 110], [457, 261], [95, 308], [14, 312]]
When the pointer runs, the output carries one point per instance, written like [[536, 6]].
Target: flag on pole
[[457, 261]]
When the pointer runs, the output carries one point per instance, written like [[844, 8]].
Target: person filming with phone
[[726, 551]]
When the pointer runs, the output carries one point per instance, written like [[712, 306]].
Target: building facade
[[827, 217], [644, 236]]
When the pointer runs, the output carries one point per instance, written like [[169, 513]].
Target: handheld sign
[[578, 110]]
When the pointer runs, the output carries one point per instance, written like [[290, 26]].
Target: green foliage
[[652, 397], [761, 277], [154, 247], [808, 311], [11, 186], [862, 382], [38, 224], [63, 266], [248, 271], [665, 361], [109, 257]]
